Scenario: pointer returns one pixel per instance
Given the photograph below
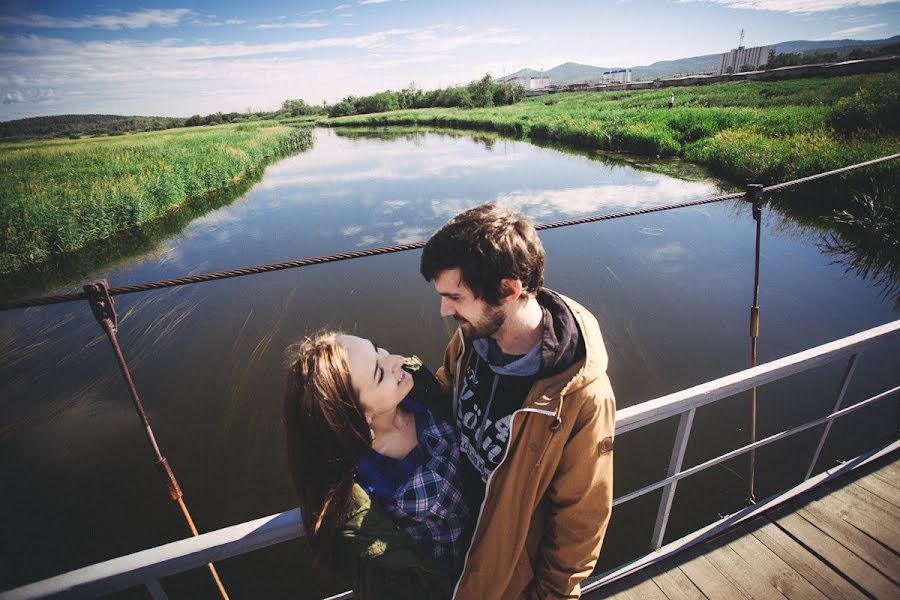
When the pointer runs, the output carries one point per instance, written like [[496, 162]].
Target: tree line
[[75, 126], [481, 93]]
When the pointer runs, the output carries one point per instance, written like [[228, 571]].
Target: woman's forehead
[[360, 351]]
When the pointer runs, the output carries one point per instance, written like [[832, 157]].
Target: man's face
[[475, 317]]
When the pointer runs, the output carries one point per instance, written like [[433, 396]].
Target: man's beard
[[493, 320]]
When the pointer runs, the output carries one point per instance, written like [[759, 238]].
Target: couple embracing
[[492, 479]]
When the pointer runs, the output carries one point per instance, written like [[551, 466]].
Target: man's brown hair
[[487, 243]]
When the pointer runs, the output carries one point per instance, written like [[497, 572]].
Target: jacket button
[[605, 445]]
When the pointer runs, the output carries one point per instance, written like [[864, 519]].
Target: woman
[[375, 470]]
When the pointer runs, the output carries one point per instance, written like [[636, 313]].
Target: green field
[[59, 196], [762, 131]]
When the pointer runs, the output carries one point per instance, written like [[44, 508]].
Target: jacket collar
[[551, 390]]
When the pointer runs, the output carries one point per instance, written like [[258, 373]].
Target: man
[[533, 406]]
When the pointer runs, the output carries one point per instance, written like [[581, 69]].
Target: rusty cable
[[102, 307], [318, 260]]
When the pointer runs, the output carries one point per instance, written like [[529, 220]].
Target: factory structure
[[733, 61], [738, 57], [616, 76], [537, 82]]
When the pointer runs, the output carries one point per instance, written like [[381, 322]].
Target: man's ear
[[510, 290]]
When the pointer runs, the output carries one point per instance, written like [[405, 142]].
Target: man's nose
[[446, 309]]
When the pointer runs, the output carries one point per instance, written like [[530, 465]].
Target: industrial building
[[738, 57], [531, 83], [617, 76]]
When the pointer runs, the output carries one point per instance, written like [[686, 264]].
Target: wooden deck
[[840, 540]]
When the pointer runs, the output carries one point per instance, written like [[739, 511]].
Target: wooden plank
[[673, 582], [735, 568], [879, 525], [823, 577], [852, 538], [886, 492], [845, 561], [707, 577], [767, 565], [888, 479], [850, 493], [638, 586], [890, 472]]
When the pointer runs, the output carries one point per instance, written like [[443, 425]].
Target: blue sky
[[176, 59]]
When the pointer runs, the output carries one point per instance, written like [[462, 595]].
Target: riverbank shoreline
[[765, 132], [60, 197]]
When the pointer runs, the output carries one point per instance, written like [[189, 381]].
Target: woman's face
[[377, 376]]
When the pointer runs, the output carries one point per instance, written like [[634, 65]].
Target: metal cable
[[795, 182], [318, 260]]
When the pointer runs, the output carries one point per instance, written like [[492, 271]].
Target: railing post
[[845, 383], [675, 462], [155, 590], [755, 196]]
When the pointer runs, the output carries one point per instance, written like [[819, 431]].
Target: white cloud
[[651, 190], [296, 25], [794, 6], [141, 19], [126, 76], [851, 32], [374, 1], [341, 7], [235, 22]]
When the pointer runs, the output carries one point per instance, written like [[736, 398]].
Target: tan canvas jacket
[[548, 502]]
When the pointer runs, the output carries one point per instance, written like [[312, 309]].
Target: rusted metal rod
[[754, 195], [102, 306]]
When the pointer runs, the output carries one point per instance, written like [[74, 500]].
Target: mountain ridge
[[571, 72]]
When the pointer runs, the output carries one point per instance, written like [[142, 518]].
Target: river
[[671, 291]]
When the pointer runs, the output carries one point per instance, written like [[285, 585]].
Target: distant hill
[[569, 73], [842, 47]]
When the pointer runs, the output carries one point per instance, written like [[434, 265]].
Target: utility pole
[[741, 43]]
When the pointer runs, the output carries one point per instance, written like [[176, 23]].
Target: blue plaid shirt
[[422, 491]]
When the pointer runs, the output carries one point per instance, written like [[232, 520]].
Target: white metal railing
[[149, 566]]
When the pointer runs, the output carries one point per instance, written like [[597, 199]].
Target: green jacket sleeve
[[382, 561]]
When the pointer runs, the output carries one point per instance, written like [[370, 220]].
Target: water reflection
[[670, 291], [867, 240]]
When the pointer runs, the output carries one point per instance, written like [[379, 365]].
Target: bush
[[454, 97], [482, 92], [508, 93], [874, 106], [381, 102], [344, 108]]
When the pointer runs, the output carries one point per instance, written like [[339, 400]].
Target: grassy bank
[[764, 131], [57, 197]]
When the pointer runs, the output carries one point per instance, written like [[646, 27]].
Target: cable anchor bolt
[[755, 196], [102, 303]]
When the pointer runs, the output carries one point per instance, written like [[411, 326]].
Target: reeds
[[760, 131], [58, 196]]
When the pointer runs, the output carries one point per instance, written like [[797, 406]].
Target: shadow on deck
[[839, 540]]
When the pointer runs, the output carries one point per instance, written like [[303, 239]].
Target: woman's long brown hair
[[326, 433]]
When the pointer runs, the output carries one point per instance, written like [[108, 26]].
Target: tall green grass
[[764, 131], [57, 197]]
